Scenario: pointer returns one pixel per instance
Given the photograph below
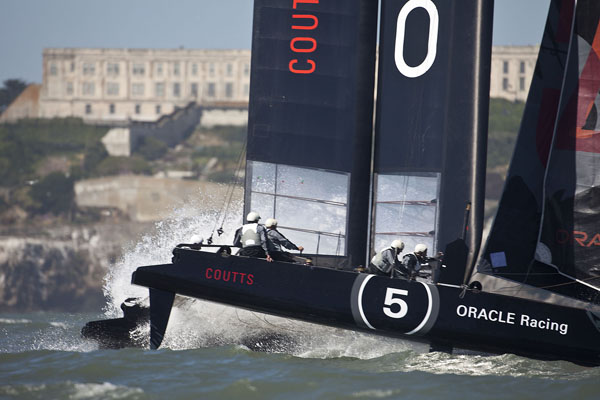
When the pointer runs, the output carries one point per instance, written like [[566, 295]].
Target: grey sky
[[28, 26]]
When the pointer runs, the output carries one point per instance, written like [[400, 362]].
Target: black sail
[[570, 235], [549, 205], [431, 125], [310, 121]]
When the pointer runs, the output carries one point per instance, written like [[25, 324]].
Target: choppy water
[[43, 357], [205, 354]]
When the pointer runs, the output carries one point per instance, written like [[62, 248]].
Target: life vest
[[250, 236], [379, 262]]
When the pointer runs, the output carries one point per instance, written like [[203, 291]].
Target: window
[[229, 90], [138, 108], [139, 69], [522, 84], [53, 69], [158, 109], [137, 89], [69, 88], [111, 108], [88, 88], [176, 69], [72, 66], [406, 208], [211, 69], [89, 68], [160, 89], [505, 67], [246, 69], [159, 69], [112, 88], [505, 84], [112, 69], [194, 90], [210, 91], [522, 67], [246, 90], [88, 108], [194, 69], [280, 191], [229, 69], [176, 89]]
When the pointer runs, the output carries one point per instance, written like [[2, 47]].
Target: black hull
[[411, 310]]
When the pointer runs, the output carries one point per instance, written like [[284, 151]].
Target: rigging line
[[235, 182], [230, 191]]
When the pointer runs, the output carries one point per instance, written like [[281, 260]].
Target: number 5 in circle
[[391, 300]]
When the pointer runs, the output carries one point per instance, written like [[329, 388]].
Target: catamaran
[[345, 176]]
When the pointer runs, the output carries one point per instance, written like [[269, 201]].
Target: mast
[[431, 126], [310, 121]]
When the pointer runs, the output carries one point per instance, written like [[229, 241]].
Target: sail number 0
[[390, 300], [434, 21]]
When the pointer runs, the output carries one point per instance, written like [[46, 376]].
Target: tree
[[11, 90], [54, 193]]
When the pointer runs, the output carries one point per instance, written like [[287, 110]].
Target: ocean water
[[42, 356], [207, 352]]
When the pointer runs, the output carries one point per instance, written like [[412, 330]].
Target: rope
[[222, 215]]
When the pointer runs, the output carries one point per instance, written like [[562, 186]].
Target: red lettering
[[226, 276], [295, 49], [302, 71], [306, 27], [295, 2], [595, 240], [580, 240]]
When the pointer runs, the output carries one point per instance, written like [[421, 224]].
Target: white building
[[104, 85], [512, 71], [139, 84]]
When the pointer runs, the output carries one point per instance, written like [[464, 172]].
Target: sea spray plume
[[156, 247]]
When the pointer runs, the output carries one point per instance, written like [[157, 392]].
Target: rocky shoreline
[[62, 268]]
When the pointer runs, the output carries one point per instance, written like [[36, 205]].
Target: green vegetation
[[24, 145], [11, 89], [52, 194], [504, 122], [151, 149], [123, 165]]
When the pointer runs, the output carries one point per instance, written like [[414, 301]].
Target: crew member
[[252, 238], [386, 262], [275, 242], [414, 262]]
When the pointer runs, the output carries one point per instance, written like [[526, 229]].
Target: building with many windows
[[512, 71], [140, 84], [119, 85]]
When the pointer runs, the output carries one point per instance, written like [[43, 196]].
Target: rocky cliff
[[61, 269]]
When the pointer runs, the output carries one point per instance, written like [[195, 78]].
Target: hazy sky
[[28, 26]]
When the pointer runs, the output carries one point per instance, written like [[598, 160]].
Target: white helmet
[[196, 239], [398, 244], [271, 222], [420, 248], [252, 217]]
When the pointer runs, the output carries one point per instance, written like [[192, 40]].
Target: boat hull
[[446, 316]]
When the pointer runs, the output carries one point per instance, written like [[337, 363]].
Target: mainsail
[[545, 233], [310, 121], [431, 124]]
